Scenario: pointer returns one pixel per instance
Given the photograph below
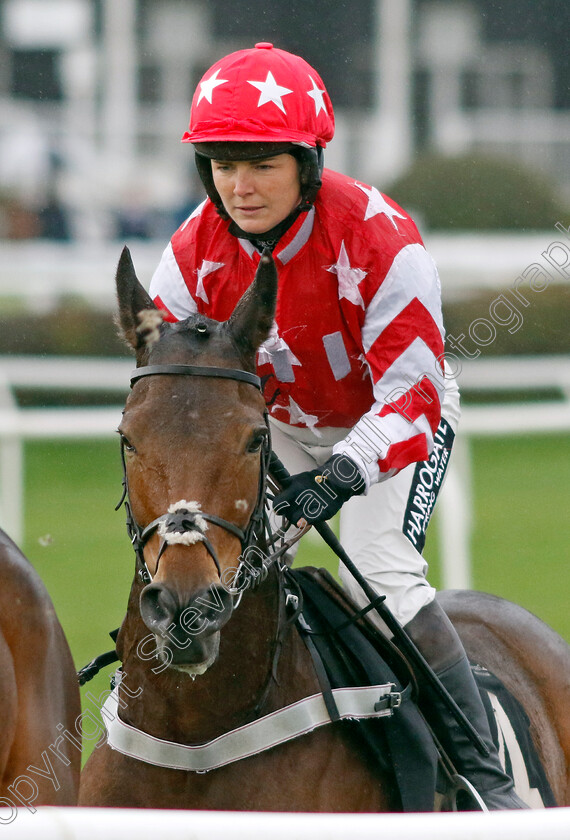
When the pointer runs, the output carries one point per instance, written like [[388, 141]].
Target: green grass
[[76, 540], [79, 545], [521, 542]]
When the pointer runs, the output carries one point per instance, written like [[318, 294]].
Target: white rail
[[118, 824], [453, 513], [39, 273], [18, 425]]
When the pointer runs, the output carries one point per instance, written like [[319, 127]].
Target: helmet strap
[[311, 164], [204, 167]]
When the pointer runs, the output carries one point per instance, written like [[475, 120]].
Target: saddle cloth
[[355, 653], [510, 728]]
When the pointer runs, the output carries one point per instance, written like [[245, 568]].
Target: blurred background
[[458, 110], [95, 95]]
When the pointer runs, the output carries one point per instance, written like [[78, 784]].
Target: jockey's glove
[[316, 495]]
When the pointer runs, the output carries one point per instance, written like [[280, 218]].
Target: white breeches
[[383, 531]]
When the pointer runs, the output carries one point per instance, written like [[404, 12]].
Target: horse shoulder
[[330, 774]]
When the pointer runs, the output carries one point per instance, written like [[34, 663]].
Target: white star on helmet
[[208, 85], [316, 95], [270, 91]]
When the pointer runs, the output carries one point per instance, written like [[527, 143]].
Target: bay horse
[[39, 693], [198, 659]]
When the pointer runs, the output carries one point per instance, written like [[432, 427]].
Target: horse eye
[[257, 440], [126, 444]]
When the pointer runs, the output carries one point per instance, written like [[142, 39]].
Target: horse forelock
[[150, 322], [196, 340]]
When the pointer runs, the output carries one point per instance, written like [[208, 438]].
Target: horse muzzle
[[187, 635]]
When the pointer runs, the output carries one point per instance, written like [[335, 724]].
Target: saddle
[[348, 650]]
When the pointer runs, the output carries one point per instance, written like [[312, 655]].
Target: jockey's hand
[[316, 495]]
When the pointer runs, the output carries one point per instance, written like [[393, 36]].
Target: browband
[[195, 370]]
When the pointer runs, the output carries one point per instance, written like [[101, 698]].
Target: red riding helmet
[[257, 103], [261, 95]]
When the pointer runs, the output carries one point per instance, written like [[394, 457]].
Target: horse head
[[193, 448]]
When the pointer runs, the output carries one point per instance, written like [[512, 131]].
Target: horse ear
[[139, 318], [251, 320]]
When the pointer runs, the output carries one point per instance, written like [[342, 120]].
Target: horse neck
[[171, 705]]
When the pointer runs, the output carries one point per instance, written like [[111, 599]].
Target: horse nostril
[[158, 607]]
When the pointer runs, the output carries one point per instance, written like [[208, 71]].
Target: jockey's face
[[258, 194]]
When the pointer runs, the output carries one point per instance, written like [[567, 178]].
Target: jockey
[[355, 380]]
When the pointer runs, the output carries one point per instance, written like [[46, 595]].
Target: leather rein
[[186, 520]]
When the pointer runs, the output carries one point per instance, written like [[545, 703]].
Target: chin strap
[[271, 237]]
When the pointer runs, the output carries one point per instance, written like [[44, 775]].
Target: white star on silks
[[270, 91], [348, 278], [208, 85], [316, 95], [206, 268], [378, 204], [273, 344], [297, 415]]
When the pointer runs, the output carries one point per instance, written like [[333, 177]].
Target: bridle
[[186, 520], [253, 565]]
